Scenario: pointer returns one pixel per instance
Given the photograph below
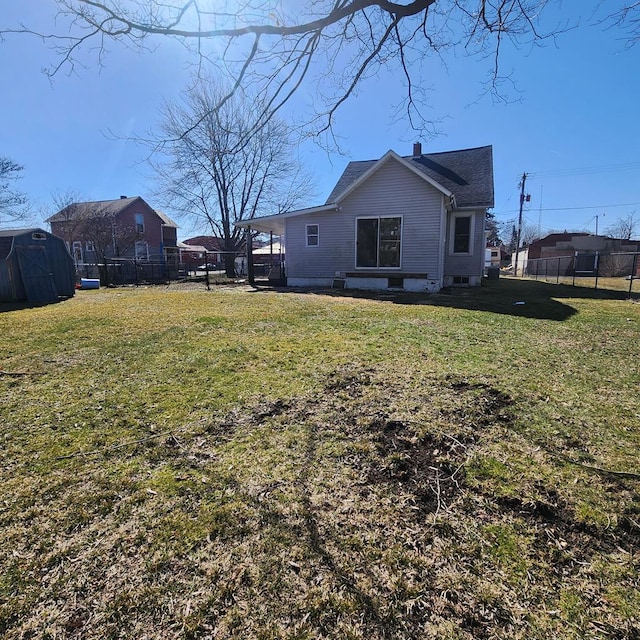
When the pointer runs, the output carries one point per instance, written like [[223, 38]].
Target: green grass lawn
[[266, 464]]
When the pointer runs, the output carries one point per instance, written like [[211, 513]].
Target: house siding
[[392, 191]]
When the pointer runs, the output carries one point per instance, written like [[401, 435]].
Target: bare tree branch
[[12, 202], [328, 46], [223, 169]]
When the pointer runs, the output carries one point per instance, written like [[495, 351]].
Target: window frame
[[452, 234], [139, 222], [136, 253], [399, 217], [308, 236], [77, 252]]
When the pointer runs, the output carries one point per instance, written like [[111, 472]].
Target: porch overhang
[[276, 224]]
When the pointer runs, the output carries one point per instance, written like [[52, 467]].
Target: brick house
[[122, 228]]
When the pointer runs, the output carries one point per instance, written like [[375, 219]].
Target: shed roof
[[7, 236], [11, 233]]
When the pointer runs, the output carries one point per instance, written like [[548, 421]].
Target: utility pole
[[597, 223], [522, 197]]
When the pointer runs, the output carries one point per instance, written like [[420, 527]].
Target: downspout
[[444, 220]]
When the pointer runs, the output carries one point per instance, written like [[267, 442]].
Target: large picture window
[[378, 242]]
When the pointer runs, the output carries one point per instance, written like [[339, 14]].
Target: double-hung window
[[461, 234], [313, 235], [77, 251], [139, 223], [378, 242]]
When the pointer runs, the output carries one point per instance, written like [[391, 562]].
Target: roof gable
[[465, 173], [367, 169], [82, 210]]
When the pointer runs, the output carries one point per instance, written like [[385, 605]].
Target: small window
[[313, 235], [77, 251], [38, 236], [460, 279], [494, 254], [139, 223], [88, 246]]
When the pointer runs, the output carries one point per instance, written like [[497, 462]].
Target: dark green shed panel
[[34, 266]]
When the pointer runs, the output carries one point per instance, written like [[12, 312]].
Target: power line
[[600, 206], [577, 171]]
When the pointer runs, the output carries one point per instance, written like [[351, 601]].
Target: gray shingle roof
[[467, 173], [79, 210], [166, 219]]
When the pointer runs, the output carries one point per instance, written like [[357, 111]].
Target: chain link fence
[[208, 268], [610, 271]]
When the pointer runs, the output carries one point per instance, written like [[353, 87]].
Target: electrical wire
[[600, 206]]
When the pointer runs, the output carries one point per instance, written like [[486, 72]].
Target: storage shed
[[34, 266]]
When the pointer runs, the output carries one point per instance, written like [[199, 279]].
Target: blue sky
[[572, 124]]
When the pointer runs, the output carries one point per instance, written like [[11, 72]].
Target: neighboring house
[[495, 256], [213, 246], [191, 255], [35, 266], [556, 253], [169, 246], [126, 227], [414, 223]]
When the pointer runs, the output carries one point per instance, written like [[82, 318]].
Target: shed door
[[37, 276]]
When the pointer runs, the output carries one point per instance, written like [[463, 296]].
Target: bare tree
[[625, 227], [529, 234], [12, 202], [219, 169], [328, 46]]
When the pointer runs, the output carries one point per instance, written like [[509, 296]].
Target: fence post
[[597, 266], [206, 269], [558, 272], [575, 264], [634, 266]]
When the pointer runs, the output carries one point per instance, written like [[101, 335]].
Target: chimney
[[123, 197], [417, 149]]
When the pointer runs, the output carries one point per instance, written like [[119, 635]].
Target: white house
[[415, 223]]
